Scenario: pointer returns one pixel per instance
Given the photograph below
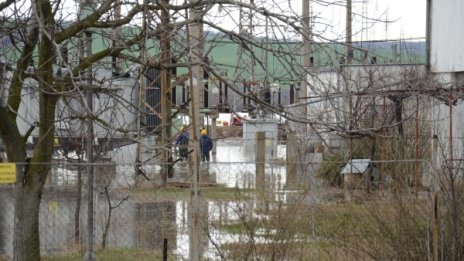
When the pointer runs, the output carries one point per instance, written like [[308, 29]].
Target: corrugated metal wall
[[446, 51]]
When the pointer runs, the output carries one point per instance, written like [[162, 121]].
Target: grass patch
[[219, 193], [120, 254], [371, 230], [214, 193], [233, 228]]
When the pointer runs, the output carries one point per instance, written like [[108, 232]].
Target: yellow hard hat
[[203, 132]]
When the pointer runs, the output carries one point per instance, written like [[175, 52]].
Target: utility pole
[[90, 252], [349, 42], [306, 63], [166, 103], [195, 39], [86, 8], [305, 53], [292, 151], [142, 82], [115, 63]]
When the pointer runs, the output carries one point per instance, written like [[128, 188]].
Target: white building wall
[[332, 88], [441, 128], [28, 111], [321, 107], [447, 36], [446, 60], [117, 107], [269, 127]]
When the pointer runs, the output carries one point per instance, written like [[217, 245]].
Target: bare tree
[[41, 34]]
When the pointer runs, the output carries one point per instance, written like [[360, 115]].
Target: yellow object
[[203, 132], [7, 173], [53, 207], [56, 141]]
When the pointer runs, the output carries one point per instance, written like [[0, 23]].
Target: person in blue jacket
[[182, 142], [206, 145]]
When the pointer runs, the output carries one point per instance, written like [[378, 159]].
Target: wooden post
[[305, 53], [195, 40], [214, 115], [166, 105], [214, 137], [260, 159], [90, 251], [417, 141], [436, 220], [436, 227], [349, 46], [291, 159], [165, 249]]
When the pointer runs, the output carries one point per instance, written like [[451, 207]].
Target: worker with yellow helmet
[[206, 145], [182, 142]]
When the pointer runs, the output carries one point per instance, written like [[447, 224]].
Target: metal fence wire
[[237, 221]]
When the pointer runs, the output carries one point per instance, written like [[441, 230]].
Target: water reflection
[[144, 224], [140, 224], [231, 167], [133, 224]]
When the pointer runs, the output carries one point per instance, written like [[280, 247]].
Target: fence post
[[291, 160], [214, 116], [165, 249], [436, 217], [260, 158], [90, 250]]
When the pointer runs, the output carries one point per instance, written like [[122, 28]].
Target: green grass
[[120, 254], [233, 228], [214, 193]]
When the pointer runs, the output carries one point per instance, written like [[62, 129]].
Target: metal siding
[[153, 77], [447, 36], [119, 113], [356, 166], [153, 98]]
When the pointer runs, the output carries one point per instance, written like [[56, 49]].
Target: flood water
[[139, 223]]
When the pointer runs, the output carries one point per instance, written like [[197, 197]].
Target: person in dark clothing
[[182, 142], [206, 145]]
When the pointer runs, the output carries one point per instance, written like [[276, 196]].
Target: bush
[[329, 173]]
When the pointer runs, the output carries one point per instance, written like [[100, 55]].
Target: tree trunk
[[108, 220], [31, 177], [26, 243]]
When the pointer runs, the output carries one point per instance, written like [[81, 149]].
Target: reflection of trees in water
[[155, 221], [136, 224], [133, 224]]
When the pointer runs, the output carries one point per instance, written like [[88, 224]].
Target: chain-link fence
[[306, 212]]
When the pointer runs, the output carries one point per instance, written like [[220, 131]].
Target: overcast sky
[[407, 18]]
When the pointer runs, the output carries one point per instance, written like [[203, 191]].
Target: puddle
[[145, 224]]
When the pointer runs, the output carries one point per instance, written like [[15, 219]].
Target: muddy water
[[232, 166], [141, 224], [133, 224]]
